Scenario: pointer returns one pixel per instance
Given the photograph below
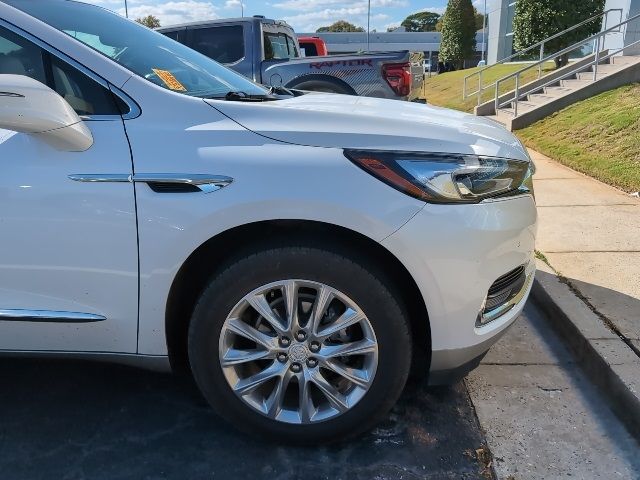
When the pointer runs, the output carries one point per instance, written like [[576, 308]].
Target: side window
[[19, 56], [224, 44], [310, 50], [86, 96], [293, 48], [278, 46]]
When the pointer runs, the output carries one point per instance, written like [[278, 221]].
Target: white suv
[[299, 253]]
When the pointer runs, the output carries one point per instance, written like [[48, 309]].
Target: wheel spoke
[[245, 330], [323, 299], [348, 318], [336, 399], [360, 347], [356, 376], [305, 405], [249, 384], [236, 357], [261, 305], [290, 293], [273, 404]]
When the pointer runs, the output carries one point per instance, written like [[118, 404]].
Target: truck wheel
[[299, 344], [325, 86]]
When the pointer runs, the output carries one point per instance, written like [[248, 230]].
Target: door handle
[[161, 182]]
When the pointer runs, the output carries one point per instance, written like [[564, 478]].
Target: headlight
[[446, 178]]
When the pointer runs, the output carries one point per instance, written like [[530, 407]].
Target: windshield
[[149, 54]]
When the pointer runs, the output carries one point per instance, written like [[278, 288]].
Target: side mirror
[[28, 106]]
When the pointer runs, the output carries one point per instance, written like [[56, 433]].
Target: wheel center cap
[[298, 353]]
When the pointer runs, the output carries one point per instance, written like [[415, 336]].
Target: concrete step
[[589, 75], [542, 101], [523, 107], [575, 84], [496, 118], [557, 91], [607, 68], [541, 98], [625, 59]]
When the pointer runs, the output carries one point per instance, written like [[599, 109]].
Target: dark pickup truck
[[267, 51]]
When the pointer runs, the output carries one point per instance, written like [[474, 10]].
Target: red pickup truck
[[313, 46]]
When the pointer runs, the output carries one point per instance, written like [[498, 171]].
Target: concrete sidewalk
[[589, 234]]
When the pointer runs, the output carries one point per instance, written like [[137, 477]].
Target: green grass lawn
[[445, 90], [599, 136]]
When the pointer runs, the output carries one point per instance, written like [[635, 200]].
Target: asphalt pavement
[[542, 418], [73, 420]]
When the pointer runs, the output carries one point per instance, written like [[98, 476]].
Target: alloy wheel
[[298, 351]]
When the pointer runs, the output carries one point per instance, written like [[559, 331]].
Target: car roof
[[218, 21]]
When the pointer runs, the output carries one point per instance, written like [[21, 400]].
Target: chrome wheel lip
[[306, 367]]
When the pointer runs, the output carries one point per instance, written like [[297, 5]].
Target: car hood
[[344, 121]]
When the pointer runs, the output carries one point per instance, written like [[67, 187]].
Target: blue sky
[[303, 15]]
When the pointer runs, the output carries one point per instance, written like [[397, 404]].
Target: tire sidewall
[[367, 291]]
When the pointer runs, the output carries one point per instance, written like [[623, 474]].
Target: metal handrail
[[577, 70], [540, 45], [597, 59]]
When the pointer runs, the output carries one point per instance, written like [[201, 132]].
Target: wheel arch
[[321, 77], [195, 272]]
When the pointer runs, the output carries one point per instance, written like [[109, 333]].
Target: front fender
[[272, 182]]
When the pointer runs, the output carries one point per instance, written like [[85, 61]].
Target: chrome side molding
[[100, 177], [11, 94], [203, 182], [22, 315]]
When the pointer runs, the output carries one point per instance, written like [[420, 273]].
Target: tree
[[479, 18], [340, 26], [421, 22], [150, 21], [477, 15], [536, 20], [458, 32]]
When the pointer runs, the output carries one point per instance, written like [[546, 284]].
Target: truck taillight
[[398, 76]]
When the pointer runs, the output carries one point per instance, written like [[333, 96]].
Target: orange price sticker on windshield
[[169, 80]]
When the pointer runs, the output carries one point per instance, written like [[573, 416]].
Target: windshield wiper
[[281, 91], [245, 97]]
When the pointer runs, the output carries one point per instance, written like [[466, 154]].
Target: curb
[[606, 359]]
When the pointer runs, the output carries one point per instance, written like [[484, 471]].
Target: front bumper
[[455, 253]]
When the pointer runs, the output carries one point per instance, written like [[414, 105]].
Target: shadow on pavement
[[71, 420]]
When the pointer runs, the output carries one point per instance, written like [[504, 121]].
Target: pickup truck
[[268, 52], [313, 46]]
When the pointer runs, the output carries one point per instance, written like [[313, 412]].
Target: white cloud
[[309, 22], [310, 5], [169, 12], [438, 10], [308, 15]]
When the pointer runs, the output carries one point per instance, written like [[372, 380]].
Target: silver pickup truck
[[267, 51]]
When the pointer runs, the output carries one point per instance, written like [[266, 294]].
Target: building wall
[[500, 41], [630, 32], [428, 42]]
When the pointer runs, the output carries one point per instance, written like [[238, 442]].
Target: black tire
[[327, 85], [356, 280]]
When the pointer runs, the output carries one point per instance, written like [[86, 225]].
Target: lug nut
[[284, 342], [301, 336], [314, 347], [296, 367], [312, 363], [282, 357]]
